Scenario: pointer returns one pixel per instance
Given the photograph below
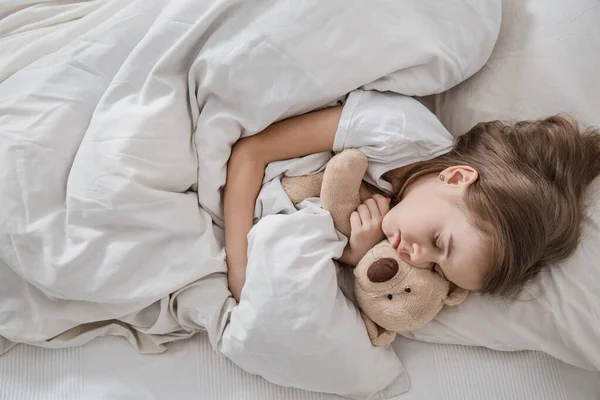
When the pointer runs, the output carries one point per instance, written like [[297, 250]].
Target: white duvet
[[116, 123]]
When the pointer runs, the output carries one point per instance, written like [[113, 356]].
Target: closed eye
[[435, 267], [435, 241]]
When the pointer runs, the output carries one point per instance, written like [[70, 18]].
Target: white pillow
[[293, 325], [546, 61]]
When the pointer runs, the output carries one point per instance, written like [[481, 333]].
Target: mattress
[[109, 368]]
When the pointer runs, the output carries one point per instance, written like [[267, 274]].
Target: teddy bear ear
[[378, 335], [456, 296]]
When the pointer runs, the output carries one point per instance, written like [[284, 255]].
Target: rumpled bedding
[[116, 124]]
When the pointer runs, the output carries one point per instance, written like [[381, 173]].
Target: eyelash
[[435, 240]]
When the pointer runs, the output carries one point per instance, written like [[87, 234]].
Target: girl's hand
[[365, 224]]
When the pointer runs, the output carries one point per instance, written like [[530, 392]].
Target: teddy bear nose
[[382, 270]]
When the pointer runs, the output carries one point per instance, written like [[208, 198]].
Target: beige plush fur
[[393, 296]]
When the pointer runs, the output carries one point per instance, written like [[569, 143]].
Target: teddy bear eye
[[407, 289], [389, 296]]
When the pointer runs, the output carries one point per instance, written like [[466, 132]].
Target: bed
[[543, 62], [109, 368]]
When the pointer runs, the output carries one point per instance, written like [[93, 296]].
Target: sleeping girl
[[487, 210]]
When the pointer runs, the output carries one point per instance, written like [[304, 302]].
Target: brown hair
[[532, 178]]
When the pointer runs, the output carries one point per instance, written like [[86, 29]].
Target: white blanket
[[117, 119]]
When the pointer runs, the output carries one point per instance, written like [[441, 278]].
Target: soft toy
[[393, 295]]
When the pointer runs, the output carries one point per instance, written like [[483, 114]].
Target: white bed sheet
[[108, 368]]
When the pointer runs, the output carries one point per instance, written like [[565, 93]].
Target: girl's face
[[429, 229]]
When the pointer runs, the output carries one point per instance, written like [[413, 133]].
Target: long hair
[[529, 197]]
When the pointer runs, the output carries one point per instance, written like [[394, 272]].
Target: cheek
[[466, 274]]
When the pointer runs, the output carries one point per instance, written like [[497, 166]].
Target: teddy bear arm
[[340, 193], [377, 335], [299, 188]]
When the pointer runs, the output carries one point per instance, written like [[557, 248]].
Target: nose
[[382, 270]]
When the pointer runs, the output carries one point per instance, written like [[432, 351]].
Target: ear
[[378, 335], [456, 295], [462, 175]]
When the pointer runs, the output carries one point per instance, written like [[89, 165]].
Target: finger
[[378, 197], [363, 212], [355, 223], [383, 204], [373, 208]]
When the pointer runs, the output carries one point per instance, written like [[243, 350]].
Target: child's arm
[[294, 137]]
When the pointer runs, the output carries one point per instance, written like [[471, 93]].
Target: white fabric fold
[[117, 122]]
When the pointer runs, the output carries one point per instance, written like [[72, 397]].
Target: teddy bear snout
[[382, 270]]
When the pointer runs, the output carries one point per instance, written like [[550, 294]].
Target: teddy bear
[[392, 295]]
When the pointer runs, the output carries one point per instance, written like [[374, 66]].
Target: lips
[[397, 241]]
